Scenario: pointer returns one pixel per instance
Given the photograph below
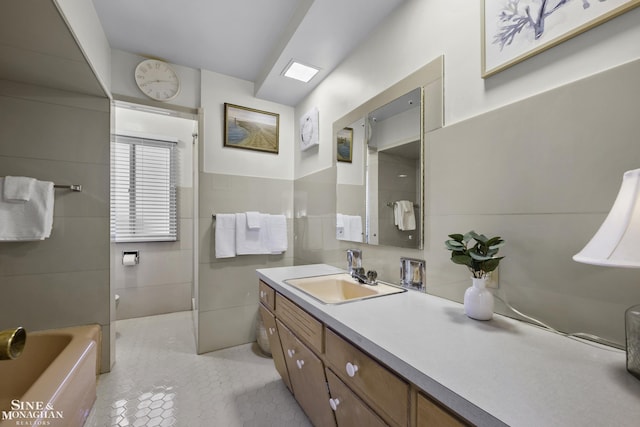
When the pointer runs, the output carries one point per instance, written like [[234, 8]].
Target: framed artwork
[[345, 145], [309, 129], [515, 30], [250, 128]]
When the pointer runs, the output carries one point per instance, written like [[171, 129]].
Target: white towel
[[248, 241], [403, 215], [18, 188], [31, 220], [225, 238], [276, 233], [355, 228], [253, 220]]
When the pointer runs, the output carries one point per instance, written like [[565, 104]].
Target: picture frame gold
[[251, 129], [512, 34], [344, 141]]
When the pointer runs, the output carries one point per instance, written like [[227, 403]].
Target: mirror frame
[[430, 79]]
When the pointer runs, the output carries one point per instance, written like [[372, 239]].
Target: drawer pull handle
[[291, 352], [263, 294], [300, 363], [334, 404], [351, 369], [272, 330]]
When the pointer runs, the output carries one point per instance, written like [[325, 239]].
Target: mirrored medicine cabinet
[[380, 162]]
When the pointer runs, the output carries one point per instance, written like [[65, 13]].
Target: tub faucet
[[354, 259], [12, 343]]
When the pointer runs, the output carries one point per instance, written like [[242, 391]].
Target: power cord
[[578, 336]]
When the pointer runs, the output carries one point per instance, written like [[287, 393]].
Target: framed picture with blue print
[[516, 30]]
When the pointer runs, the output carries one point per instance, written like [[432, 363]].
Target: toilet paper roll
[[129, 259]]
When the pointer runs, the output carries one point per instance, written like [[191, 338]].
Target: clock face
[[157, 80]]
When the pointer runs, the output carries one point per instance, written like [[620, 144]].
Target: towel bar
[[72, 187], [392, 204]]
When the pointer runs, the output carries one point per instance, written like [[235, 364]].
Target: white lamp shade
[[617, 242]]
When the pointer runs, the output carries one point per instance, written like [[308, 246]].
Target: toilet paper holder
[[130, 257]]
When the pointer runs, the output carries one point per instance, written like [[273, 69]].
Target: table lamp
[[617, 244]]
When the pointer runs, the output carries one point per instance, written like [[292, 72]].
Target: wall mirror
[[380, 183]]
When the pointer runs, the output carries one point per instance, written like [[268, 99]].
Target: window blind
[[143, 190]]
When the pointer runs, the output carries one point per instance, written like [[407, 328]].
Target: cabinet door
[[274, 342], [381, 389], [348, 408], [431, 415], [306, 372]]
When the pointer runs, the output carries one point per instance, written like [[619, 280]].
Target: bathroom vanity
[[412, 359]]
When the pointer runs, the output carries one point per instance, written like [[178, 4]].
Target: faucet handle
[[372, 275]]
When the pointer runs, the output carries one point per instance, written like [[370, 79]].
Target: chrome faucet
[[354, 259]]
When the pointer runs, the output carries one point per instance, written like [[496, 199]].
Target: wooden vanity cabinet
[[335, 381], [348, 408], [431, 415], [269, 321], [306, 372], [384, 391]]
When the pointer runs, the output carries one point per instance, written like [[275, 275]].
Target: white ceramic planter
[[478, 301]]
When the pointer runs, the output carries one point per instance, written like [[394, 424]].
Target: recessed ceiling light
[[298, 71]]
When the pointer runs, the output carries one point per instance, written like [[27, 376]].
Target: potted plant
[[479, 254]]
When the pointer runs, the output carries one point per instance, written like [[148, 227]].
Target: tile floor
[[159, 380]]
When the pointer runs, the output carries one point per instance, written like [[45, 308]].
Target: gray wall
[[542, 173], [227, 290], [62, 281]]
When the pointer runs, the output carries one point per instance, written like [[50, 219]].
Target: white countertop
[[493, 373]]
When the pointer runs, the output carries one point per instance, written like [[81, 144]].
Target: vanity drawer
[[348, 408], [430, 414], [382, 389], [267, 295], [305, 326]]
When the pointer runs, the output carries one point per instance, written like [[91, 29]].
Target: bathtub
[[53, 382]]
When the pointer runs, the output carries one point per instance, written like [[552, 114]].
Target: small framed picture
[[251, 129], [345, 145]]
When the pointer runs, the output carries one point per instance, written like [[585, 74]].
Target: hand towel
[[276, 233], [355, 228], [31, 220], [248, 241], [253, 220], [18, 188], [403, 215], [225, 238]]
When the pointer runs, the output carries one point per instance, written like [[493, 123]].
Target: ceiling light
[[298, 71]]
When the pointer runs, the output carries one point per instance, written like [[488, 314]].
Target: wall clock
[[157, 80], [309, 129]]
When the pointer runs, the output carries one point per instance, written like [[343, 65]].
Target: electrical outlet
[[493, 281]]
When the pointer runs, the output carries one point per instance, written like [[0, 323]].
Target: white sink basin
[[340, 288]]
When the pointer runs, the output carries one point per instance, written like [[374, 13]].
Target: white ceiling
[[250, 39]]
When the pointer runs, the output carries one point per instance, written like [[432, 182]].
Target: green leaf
[[461, 259], [491, 265], [453, 245], [497, 245], [470, 235], [479, 257], [494, 241], [457, 237]]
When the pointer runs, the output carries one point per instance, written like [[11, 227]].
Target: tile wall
[[227, 288], [542, 173], [62, 281]]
